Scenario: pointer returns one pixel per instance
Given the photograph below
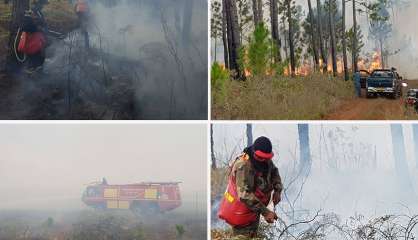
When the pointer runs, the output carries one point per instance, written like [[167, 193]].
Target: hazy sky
[[49, 165]]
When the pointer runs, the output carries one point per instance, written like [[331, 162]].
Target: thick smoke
[[147, 60], [405, 39], [401, 44]]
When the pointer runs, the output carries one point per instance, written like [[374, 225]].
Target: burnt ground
[[374, 108], [91, 84], [59, 93]]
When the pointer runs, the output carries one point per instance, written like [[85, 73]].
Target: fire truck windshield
[[91, 192]]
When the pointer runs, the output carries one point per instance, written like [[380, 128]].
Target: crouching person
[[253, 181], [33, 41]]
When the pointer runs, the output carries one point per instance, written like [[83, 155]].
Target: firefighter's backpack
[[31, 43], [235, 212]]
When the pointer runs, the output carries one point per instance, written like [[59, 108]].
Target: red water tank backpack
[[235, 212], [31, 43]]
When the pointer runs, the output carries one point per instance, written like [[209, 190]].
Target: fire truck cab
[[141, 198]]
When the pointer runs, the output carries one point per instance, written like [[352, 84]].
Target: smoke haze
[[48, 166], [346, 178]]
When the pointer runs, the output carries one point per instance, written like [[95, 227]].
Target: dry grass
[[60, 16], [283, 98], [5, 12]]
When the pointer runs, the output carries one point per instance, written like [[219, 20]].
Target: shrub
[[259, 51], [219, 80], [180, 231]]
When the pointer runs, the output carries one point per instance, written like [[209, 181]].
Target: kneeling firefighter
[[253, 181], [33, 39]]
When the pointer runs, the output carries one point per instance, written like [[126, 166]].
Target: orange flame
[[247, 72], [374, 63], [303, 70], [306, 67]]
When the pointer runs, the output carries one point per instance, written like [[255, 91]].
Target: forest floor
[[374, 108], [89, 224]]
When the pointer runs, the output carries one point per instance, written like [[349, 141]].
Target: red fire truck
[[141, 198]]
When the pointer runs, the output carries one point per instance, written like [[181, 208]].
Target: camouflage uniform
[[247, 181]]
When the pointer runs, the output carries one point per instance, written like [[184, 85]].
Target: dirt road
[[374, 109]]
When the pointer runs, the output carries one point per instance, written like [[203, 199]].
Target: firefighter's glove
[[276, 198], [270, 216]]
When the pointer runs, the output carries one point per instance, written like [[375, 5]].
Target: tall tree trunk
[[260, 10], [212, 153], [249, 132], [382, 59], [344, 42], [233, 37], [415, 134], [224, 37], [18, 11], [274, 12], [313, 39], [256, 18], [401, 166], [332, 34], [354, 50], [291, 43], [216, 39], [229, 33], [187, 21], [324, 56], [304, 149]]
